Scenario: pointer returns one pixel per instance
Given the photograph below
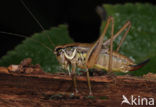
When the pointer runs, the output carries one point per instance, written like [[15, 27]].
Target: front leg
[[73, 76], [68, 69], [66, 66]]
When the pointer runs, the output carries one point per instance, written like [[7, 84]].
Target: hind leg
[[94, 51], [111, 47], [123, 38], [126, 25]]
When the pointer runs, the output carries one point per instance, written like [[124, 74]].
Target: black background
[[80, 15]]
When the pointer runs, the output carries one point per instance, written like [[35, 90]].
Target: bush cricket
[[98, 55]]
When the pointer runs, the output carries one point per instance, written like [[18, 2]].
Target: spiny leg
[[111, 47], [123, 38], [110, 73], [68, 69], [94, 52], [75, 83], [110, 41], [73, 76], [89, 84], [128, 24]]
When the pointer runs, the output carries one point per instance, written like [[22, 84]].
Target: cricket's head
[[65, 53], [58, 50]]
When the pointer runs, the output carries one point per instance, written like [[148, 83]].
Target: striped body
[[120, 63]]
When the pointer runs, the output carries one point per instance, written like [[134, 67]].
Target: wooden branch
[[40, 88]]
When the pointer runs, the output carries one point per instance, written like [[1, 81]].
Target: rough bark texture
[[46, 90]]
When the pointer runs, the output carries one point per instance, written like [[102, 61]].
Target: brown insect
[[98, 55]]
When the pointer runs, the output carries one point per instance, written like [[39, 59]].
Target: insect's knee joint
[[129, 22]]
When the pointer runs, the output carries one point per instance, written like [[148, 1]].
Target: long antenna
[[24, 36], [37, 21]]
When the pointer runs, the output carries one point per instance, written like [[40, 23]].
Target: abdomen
[[119, 62]]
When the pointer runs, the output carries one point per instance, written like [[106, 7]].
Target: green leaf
[[30, 47], [140, 42]]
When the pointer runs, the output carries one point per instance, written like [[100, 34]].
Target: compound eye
[[58, 49], [59, 52]]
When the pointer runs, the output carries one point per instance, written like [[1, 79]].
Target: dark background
[[80, 15]]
